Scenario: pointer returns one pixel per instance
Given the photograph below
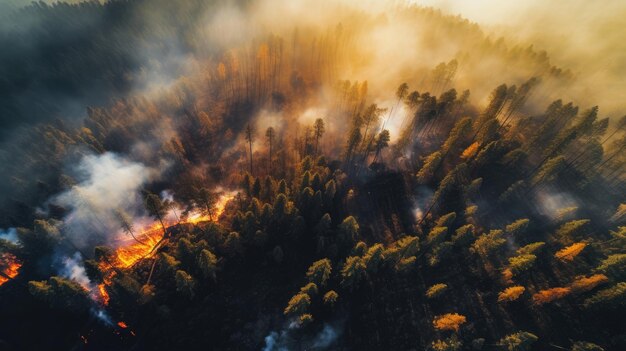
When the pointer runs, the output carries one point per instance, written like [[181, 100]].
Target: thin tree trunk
[[250, 143]]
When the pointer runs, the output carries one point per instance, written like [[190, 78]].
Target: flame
[[104, 294], [196, 217], [11, 267], [129, 251], [220, 205]]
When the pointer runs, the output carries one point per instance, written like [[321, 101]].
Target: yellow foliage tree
[[449, 321], [549, 295], [299, 303], [570, 252], [511, 294]]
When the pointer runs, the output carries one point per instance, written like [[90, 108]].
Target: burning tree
[[9, 267]]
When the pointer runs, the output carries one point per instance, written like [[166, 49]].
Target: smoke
[[106, 183], [585, 37], [272, 342], [422, 201], [9, 235], [552, 204], [378, 41], [285, 341], [325, 338], [102, 316], [73, 269]]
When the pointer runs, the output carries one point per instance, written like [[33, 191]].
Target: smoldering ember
[[287, 175]]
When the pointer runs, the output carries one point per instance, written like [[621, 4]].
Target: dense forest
[[200, 175]]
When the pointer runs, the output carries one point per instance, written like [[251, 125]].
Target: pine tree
[[206, 200], [511, 293], [319, 272], [353, 272], [436, 290], [270, 134], [185, 284], [250, 138], [298, 304], [127, 225], [318, 132], [157, 209], [520, 341], [207, 262], [330, 298], [382, 141], [449, 321]]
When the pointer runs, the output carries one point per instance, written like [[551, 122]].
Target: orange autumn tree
[[570, 252], [583, 284], [549, 295], [470, 151], [449, 321], [507, 276], [511, 293]]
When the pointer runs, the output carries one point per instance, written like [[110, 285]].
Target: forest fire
[[11, 268], [220, 205], [130, 251], [128, 255], [276, 175], [104, 294]]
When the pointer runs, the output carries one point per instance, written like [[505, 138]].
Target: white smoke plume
[[326, 337], [106, 183], [552, 204], [72, 268]]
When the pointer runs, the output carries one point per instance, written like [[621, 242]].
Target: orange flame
[[220, 205], [104, 294], [131, 251], [11, 267]]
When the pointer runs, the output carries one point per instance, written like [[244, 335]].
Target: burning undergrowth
[[10, 267]]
